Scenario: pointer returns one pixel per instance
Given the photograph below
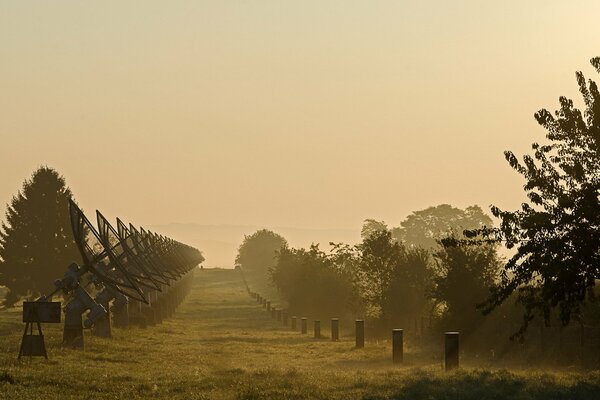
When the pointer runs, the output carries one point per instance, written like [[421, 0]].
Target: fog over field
[[310, 199], [219, 243]]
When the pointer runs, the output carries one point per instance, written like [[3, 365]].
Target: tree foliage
[[391, 279], [371, 226], [36, 242], [406, 297], [257, 252], [311, 284], [556, 233], [423, 228], [463, 279]]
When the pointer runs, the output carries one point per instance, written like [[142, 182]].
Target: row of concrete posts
[[451, 339]]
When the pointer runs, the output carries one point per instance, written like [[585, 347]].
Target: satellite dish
[[100, 259], [110, 239], [131, 242], [152, 254]]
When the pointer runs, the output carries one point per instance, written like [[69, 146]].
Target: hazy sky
[[282, 113]]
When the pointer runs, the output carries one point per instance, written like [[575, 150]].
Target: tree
[[36, 241], [311, 284], [556, 233], [370, 226], [258, 251], [464, 276], [378, 256], [406, 298], [423, 228]]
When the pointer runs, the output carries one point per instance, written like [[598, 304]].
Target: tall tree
[[311, 284], [423, 228], [378, 256], [36, 242], [556, 233], [370, 226], [464, 276], [258, 251], [406, 297]]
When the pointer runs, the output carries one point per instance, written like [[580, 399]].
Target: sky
[[305, 114]]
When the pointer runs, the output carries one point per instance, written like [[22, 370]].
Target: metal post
[[397, 346], [451, 350], [360, 333]]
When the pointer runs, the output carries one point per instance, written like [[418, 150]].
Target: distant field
[[221, 345]]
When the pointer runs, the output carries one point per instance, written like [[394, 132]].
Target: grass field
[[221, 345]]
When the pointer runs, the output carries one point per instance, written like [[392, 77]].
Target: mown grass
[[221, 345]]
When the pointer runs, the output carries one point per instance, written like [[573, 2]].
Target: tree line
[[388, 280], [443, 262]]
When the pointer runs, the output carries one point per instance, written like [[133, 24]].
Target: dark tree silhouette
[[370, 226], [311, 284], [464, 276], [556, 233], [36, 243], [423, 228], [258, 251]]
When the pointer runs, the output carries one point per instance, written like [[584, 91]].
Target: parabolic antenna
[[110, 239], [99, 259], [130, 242], [151, 253]]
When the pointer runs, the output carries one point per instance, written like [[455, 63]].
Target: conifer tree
[[36, 243]]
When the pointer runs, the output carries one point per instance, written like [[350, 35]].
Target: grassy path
[[221, 345]]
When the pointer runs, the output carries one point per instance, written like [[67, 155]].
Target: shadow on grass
[[480, 385]]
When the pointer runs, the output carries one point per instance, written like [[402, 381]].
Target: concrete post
[[360, 333], [335, 329], [397, 346], [317, 329], [451, 350], [303, 328]]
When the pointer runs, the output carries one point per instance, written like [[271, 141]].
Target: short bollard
[[279, 315], [284, 317], [317, 329], [360, 333], [273, 312], [293, 323], [268, 306], [303, 326], [397, 346], [335, 329], [451, 350]]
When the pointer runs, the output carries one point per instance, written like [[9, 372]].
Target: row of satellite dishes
[[125, 270]]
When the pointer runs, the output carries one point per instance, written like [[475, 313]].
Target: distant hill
[[219, 243]]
